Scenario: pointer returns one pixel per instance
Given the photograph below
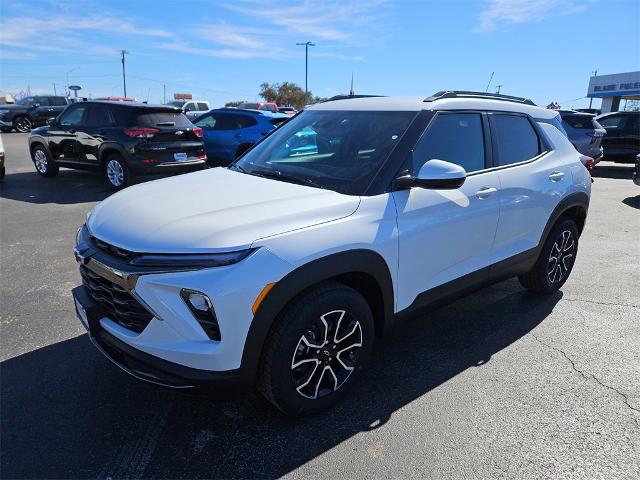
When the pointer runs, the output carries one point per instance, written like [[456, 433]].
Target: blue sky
[[221, 51]]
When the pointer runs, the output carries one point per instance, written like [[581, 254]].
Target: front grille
[[113, 250], [119, 304]]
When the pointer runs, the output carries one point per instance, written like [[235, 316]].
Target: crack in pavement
[[601, 303], [589, 376]]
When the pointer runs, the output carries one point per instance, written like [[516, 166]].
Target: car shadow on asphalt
[[70, 186], [68, 412], [616, 171]]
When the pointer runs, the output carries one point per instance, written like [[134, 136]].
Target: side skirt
[[460, 287]]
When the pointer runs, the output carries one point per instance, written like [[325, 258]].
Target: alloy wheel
[[115, 173], [40, 159], [23, 125], [326, 354], [561, 257]]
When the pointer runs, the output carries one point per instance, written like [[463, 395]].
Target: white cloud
[[236, 53], [329, 20], [508, 12]]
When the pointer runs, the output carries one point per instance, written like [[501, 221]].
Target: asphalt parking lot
[[501, 384]]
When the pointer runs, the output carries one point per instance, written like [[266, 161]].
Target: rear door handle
[[555, 176], [485, 192]]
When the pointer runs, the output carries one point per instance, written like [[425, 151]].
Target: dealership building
[[613, 88]]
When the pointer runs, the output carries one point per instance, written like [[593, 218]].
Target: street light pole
[[124, 78], [595, 74], [306, 68]]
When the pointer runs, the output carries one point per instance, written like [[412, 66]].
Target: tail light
[[588, 162], [139, 132], [198, 132]]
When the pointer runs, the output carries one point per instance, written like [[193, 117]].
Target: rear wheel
[[43, 163], [319, 345], [22, 124], [556, 260], [117, 172]]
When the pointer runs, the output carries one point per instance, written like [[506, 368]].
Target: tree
[[285, 93]]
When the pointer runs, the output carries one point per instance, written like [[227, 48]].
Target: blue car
[[229, 132]]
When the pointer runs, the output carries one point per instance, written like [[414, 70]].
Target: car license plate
[[180, 157], [82, 314]]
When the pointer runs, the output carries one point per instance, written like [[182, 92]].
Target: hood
[[211, 210]]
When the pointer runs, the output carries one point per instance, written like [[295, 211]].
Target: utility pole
[[595, 74], [351, 92], [306, 68], [164, 93], [55, 92], [124, 77]]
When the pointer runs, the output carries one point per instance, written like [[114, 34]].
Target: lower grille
[[118, 303]]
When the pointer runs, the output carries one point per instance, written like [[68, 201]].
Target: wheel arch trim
[[301, 279]]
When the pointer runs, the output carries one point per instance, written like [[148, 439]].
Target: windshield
[[25, 101], [336, 150]]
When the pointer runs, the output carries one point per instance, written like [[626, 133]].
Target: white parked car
[[280, 272]]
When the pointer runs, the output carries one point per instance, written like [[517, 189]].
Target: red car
[[270, 106]]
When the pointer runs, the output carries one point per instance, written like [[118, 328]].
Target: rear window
[[146, 117], [579, 121]]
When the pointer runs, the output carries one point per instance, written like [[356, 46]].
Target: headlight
[[193, 260]]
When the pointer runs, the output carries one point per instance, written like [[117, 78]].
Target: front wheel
[[317, 349], [556, 259], [117, 172]]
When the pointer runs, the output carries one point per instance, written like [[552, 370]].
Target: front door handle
[[484, 192], [555, 176]]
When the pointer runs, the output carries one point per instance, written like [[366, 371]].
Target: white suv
[[280, 271]]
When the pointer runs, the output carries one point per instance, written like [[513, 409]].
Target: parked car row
[[30, 112]]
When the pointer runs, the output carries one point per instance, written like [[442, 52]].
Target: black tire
[[117, 173], [22, 124], [551, 270], [301, 324], [45, 166]]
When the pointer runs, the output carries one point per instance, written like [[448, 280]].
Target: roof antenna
[[351, 92], [490, 78]]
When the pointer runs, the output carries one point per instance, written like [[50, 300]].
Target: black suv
[[31, 112], [621, 143], [120, 139]]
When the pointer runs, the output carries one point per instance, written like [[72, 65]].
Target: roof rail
[[466, 94]]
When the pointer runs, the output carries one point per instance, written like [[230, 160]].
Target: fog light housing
[[202, 309]]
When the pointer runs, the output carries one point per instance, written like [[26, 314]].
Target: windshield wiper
[[277, 175]]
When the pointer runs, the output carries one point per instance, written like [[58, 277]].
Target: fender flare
[[577, 199], [111, 146], [301, 279]]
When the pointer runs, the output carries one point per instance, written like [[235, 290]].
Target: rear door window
[[453, 137], [516, 139], [228, 122], [99, 116], [247, 121], [202, 107]]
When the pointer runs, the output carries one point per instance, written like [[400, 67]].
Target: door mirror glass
[[436, 174]]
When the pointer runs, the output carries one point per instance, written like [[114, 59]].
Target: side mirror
[[436, 174], [51, 121]]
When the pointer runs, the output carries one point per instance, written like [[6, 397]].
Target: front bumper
[[141, 365], [163, 335], [190, 165]]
